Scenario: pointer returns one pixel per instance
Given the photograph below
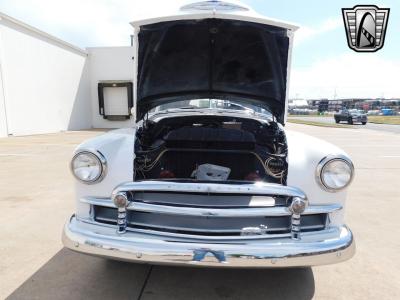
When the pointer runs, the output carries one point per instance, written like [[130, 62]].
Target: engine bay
[[210, 148]]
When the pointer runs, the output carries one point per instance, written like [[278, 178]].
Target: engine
[[211, 148]]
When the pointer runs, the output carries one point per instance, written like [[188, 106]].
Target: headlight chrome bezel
[[102, 162], [324, 162]]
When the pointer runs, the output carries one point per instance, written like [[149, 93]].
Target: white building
[[48, 85]]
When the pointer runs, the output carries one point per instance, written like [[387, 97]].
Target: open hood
[[212, 58]]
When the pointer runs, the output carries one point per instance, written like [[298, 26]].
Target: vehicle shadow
[[70, 275], [205, 283]]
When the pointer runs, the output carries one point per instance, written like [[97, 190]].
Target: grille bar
[[214, 212], [259, 188], [209, 200], [227, 212]]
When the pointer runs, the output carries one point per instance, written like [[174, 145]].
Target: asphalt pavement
[[70, 275], [34, 264], [372, 126]]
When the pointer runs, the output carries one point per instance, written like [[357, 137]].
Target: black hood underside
[[212, 58]]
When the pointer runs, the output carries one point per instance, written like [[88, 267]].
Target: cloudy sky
[[322, 65]]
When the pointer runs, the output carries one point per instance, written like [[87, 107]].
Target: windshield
[[354, 111], [212, 103]]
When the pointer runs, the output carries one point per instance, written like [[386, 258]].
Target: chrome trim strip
[[106, 202], [258, 188], [321, 249], [205, 212], [177, 200], [215, 212]]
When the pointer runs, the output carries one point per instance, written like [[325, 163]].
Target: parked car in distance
[[351, 116], [374, 112], [388, 112]]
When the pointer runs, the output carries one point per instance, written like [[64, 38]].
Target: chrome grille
[[210, 210], [207, 225]]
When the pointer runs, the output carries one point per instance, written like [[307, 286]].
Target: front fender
[[304, 154], [117, 146]]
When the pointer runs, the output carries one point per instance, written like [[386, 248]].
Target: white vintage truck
[[209, 176]]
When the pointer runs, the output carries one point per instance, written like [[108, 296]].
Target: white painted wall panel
[[3, 117], [46, 84], [110, 63]]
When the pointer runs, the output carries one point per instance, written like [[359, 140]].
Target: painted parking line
[[15, 154]]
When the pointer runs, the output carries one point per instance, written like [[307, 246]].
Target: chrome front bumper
[[329, 246]]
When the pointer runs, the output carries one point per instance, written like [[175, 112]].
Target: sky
[[322, 64]]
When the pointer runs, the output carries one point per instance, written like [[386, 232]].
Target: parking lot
[[331, 120], [36, 198]]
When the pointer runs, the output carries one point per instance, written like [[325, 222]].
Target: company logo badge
[[365, 27]]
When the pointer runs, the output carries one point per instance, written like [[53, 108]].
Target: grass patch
[[318, 116], [393, 120], [320, 124]]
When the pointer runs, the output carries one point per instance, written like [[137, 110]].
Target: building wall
[[3, 120], [109, 63], [45, 82], [48, 85]]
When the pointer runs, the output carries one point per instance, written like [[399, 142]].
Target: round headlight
[[335, 173], [88, 167]]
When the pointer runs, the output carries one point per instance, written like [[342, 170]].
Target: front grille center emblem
[[365, 27]]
